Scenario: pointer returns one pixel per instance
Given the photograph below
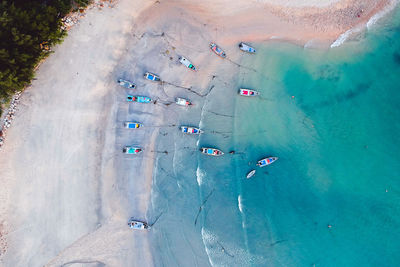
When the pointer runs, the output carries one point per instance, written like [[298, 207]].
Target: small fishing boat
[[132, 125], [266, 161], [217, 50], [211, 151], [138, 225], [190, 130], [248, 92], [126, 84], [250, 174], [131, 150], [187, 63], [246, 48], [183, 102], [151, 77], [139, 99]]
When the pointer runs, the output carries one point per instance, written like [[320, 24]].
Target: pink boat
[[217, 50]]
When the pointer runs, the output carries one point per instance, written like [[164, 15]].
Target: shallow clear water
[[333, 118]]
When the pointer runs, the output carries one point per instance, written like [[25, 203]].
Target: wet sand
[[67, 190]]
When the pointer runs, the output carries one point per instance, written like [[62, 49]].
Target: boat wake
[[240, 205], [200, 176]]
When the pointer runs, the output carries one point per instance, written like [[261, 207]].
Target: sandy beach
[[67, 190]]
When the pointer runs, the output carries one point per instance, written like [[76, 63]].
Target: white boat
[[187, 63], [138, 225], [183, 102], [250, 174], [126, 84], [246, 48], [190, 130], [211, 151], [248, 92], [266, 161]]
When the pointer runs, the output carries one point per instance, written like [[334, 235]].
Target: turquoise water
[[333, 119]]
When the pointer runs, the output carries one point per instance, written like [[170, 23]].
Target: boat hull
[[132, 150], [211, 151], [132, 125], [138, 225], [190, 130], [182, 102], [266, 161], [217, 50], [251, 174], [248, 92], [246, 48], [139, 99]]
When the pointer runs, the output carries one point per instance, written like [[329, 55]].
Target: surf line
[[202, 205]]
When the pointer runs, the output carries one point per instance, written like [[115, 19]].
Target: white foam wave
[[372, 21], [217, 255], [207, 238], [199, 176], [240, 205], [344, 36]]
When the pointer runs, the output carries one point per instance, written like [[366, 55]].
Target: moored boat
[[266, 161], [139, 99], [132, 125], [183, 102], [138, 225], [187, 63], [190, 130], [152, 77], [126, 84], [131, 150], [250, 174], [211, 151], [246, 48], [248, 92], [217, 50]]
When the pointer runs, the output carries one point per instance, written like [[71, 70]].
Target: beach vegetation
[[28, 30]]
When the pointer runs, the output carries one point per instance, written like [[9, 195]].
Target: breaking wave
[[199, 176], [240, 205], [372, 21]]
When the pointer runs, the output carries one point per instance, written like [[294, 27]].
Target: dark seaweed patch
[[396, 57], [341, 97], [327, 72]]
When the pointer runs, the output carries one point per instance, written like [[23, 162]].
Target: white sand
[[67, 191]]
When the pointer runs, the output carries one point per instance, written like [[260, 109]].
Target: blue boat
[[138, 225], [151, 77], [211, 151], [266, 161], [190, 130], [132, 150], [139, 99], [132, 125]]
